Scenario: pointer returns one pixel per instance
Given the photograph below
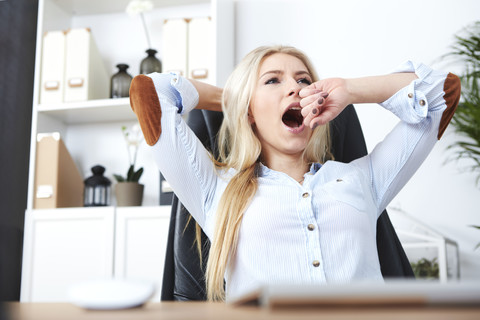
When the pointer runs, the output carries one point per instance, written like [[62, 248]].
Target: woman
[[273, 209]]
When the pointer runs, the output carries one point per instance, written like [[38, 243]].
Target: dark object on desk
[[183, 279]]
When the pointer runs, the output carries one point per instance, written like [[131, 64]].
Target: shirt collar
[[265, 171]]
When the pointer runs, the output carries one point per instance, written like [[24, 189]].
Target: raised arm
[[210, 97], [424, 100], [318, 109], [159, 100]]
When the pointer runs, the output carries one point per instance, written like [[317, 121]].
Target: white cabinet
[[140, 243], [67, 246]]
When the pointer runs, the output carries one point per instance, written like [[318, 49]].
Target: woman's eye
[[272, 81], [305, 80]]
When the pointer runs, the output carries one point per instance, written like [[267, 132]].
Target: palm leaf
[[466, 121]]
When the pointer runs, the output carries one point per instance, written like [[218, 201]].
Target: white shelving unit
[[91, 129]]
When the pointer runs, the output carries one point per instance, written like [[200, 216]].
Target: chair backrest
[[184, 277]]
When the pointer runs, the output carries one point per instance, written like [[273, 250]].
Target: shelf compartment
[[92, 111]]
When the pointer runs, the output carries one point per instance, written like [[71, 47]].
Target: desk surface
[[203, 310]]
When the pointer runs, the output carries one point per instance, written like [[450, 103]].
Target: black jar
[[120, 83], [150, 63], [97, 188]]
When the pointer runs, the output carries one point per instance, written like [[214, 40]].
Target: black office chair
[[184, 277]]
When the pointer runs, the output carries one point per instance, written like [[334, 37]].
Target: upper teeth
[[295, 108]]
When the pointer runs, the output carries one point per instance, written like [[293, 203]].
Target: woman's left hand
[[323, 100]]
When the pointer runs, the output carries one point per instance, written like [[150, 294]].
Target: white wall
[[350, 38]]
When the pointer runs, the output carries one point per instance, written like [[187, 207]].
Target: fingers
[[312, 107], [308, 91], [323, 118]]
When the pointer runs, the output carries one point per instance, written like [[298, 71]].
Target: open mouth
[[293, 118]]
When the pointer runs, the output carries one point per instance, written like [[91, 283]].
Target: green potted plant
[[426, 269], [466, 121], [128, 190]]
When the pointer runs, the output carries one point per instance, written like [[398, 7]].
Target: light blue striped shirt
[[321, 231]]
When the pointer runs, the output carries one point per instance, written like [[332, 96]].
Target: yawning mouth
[[293, 117]]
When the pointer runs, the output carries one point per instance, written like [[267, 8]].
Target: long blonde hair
[[240, 149]]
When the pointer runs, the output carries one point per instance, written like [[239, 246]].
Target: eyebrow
[[280, 72]]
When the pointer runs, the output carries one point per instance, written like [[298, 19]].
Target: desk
[[204, 310]]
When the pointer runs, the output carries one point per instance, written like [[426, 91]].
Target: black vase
[[150, 63], [120, 83]]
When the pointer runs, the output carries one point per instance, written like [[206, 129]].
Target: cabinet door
[[63, 247], [140, 244]]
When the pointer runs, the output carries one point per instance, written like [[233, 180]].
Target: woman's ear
[[251, 119]]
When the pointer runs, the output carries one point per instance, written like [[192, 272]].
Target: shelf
[[93, 111], [164, 209], [86, 7]]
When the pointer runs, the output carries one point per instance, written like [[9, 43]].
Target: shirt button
[[422, 102], [305, 195], [410, 95], [316, 263], [339, 180], [311, 227]]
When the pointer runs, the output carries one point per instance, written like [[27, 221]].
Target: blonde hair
[[240, 149]]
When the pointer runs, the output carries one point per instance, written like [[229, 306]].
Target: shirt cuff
[[411, 103], [185, 93], [177, 90]]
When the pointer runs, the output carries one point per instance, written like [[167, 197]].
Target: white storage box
[[175, 48], [85, 75], [188, 48], [53, 67], [200, 47]]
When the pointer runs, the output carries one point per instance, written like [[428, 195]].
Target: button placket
[[312, 235]]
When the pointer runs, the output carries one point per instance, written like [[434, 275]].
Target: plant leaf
[[136, 176], [119, 178], [130, 173]]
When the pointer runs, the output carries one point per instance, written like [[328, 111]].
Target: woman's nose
[[293, 88]]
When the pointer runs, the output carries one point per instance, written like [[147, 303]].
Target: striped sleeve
[[159, 101]]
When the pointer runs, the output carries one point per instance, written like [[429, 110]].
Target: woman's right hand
[[322, 101]]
